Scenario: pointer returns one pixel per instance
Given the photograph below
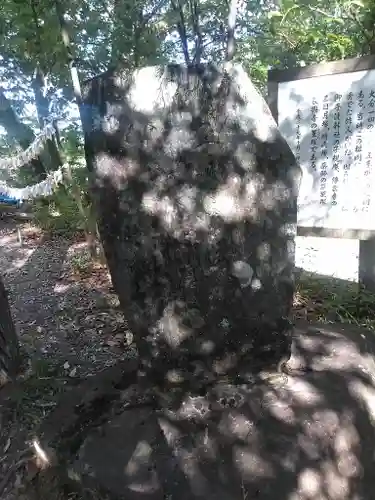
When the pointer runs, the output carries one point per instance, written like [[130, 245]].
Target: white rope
[[42, 189], [35, 149]]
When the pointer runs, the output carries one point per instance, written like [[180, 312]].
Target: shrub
[[60, 213]]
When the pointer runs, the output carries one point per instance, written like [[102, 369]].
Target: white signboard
[[329, 123]]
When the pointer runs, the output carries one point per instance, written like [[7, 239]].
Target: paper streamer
[[42, 189], [32, 152]]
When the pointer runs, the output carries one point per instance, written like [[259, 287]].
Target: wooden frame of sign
[[366, 237]]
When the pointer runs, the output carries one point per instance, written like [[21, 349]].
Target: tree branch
[[181, 28], [194, 10]]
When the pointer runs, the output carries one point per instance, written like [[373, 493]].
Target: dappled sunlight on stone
[[171, 328], [107, 164], [190, 466], [194, 407], [304, 393], [188, 460], [236, 425], [365, 396], [283, 412], [311, 448], [324, 424], [335, 484], [330, 351], [346, 438], [111, 124], [178, 215], [236, 199], [220, 414], [171, 432], [206, 446], [337, 352], [348, 465], [139, 471], [250, 465], [310, 483]]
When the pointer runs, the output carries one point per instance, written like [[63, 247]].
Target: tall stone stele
[[196, 194]]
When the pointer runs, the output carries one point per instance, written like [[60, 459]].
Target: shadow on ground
[[305, 436]]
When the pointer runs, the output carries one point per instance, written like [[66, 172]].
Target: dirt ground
[[69, 325], [58, 311], [306, 436]]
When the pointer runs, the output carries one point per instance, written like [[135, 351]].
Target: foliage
[[59, 213], [322, 30], [135, 33], [82, 263], [325, 299]]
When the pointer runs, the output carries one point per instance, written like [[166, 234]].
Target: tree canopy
[[34, 61]]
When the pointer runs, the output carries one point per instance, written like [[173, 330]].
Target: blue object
[[8, 200]]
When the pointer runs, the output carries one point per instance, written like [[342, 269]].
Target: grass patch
[[320, 298]]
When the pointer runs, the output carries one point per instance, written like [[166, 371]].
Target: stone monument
[[196, 194]]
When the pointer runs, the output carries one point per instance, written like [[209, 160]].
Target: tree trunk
[[9, 346], [51, 158], [19, 132]]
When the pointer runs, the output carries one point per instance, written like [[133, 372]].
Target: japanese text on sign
[[332, 134]]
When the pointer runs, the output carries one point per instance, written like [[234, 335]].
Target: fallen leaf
[[73, 372]]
